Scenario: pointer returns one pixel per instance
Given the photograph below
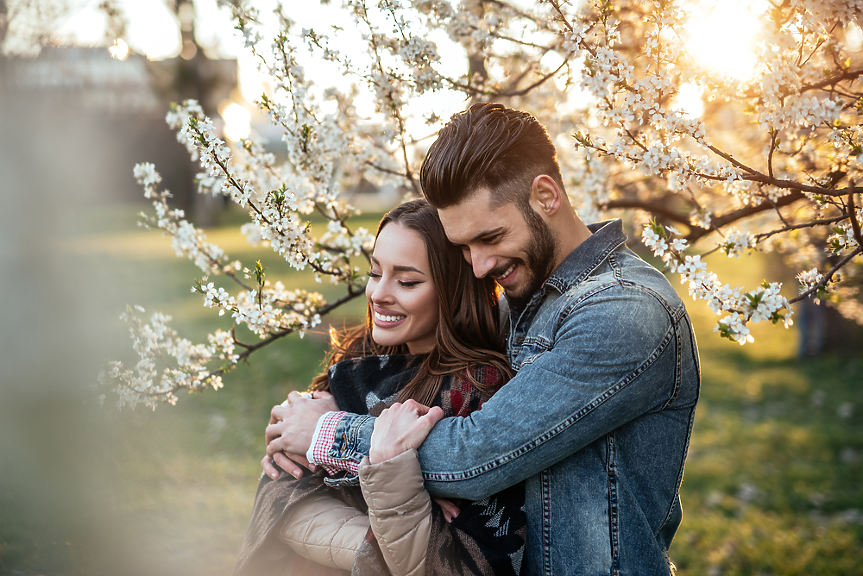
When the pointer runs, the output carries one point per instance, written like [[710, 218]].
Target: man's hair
[[488, 146]]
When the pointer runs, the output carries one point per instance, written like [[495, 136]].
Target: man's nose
[[481, 262]]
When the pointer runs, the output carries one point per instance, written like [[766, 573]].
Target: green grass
[[772, 485]]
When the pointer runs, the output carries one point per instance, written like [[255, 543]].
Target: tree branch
[[352, 293], [847, 75], [773, 140], [740, 213], [653, 207], [790, 227], [827, 277], [476, 91], [855, 225]]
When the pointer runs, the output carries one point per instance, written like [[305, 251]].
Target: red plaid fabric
[[325, 435]]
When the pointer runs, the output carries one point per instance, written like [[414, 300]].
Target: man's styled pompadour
[[488, 146]]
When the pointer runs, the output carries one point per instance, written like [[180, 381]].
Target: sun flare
[[721, 34]]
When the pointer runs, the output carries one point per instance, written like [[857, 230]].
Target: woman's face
[[401, 292]]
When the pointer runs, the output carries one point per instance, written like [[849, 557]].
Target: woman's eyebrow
[[408, 269], [399, 268]]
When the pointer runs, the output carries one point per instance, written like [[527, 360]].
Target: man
[[598, 417]]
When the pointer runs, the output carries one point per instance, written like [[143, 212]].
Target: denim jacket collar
[[606, 237]]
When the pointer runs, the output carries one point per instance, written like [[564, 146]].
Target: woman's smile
[[387, 319]]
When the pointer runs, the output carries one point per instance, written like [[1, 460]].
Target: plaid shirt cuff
[[322, 441]]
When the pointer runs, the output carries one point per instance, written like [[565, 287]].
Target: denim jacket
[[596, 420]]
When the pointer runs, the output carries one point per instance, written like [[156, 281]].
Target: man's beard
[[540, 260]]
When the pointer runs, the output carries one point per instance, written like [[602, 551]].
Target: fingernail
[[275, 475]]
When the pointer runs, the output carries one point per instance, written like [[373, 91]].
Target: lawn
[[772, 485]]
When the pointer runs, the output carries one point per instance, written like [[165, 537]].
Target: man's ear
[[545, 195]]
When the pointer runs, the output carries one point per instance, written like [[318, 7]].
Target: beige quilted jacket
[[329, 532]]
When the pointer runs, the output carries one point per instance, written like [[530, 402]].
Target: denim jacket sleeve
[[604, 358]]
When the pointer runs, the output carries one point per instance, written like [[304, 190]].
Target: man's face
[[516, 249]]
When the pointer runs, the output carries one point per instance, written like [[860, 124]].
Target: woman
[[431, 335]]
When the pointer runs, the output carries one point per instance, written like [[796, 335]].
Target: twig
[[653, 208], [773, 141], [827, 277], [855, 225], [791, 227], [847, 75]]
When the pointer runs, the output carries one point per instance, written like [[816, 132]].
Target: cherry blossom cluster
[[736, 242], [798, 140], [268, 309], [167, 363], [809, 279], [186, 239], [762, 304]]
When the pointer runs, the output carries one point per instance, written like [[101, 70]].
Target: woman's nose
[[382, 292]]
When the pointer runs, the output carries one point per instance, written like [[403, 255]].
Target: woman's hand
[[450, 510], [400, 428]]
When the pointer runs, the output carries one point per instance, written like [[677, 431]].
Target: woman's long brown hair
[[468, 333]]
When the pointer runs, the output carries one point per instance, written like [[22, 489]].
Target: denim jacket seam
[[685, 452], [613, 516], [616, 268], [683, 460], [576, 299], [678, 369], [545, 489], [671, 504], [572, 303], [550, 434]]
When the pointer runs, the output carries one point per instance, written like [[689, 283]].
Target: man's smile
[[507, 276]]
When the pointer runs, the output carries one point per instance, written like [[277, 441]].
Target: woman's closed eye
[[403, 283]]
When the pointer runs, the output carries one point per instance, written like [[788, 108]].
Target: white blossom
[[769, 164]]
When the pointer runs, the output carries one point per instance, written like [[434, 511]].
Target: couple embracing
[[459, 433]]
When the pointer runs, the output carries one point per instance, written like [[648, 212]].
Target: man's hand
[[400, 428], [290, 432]]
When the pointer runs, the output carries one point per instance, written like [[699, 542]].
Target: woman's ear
[[545, 195]]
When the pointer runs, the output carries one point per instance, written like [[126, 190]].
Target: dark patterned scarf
[[487, 537]]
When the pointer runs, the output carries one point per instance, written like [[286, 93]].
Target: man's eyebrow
[[399, 268], [486, 233]]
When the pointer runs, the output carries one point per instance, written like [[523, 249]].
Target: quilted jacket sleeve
[[399, 511], [325, 530]]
